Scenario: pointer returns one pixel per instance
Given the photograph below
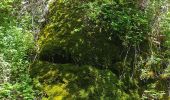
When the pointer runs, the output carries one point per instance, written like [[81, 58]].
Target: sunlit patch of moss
[[57, 91]]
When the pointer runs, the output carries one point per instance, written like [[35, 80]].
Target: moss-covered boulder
[[94, 32], [71, 82]]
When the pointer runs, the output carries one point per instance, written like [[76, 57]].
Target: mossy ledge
[[72, 82]]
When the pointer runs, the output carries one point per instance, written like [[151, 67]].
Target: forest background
[[84, 49]]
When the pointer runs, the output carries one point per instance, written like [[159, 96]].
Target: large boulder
[[91, 31]]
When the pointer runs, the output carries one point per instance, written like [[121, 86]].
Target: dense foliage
[[84, 49], [14, 44]]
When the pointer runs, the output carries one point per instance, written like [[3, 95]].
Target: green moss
[[68, 33], [71, 82]]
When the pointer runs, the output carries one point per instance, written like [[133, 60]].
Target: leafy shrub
[[14, 46], [15, 43]]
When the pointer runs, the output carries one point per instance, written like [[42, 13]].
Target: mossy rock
[[93, 32], [71, 35], [72, 82]]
